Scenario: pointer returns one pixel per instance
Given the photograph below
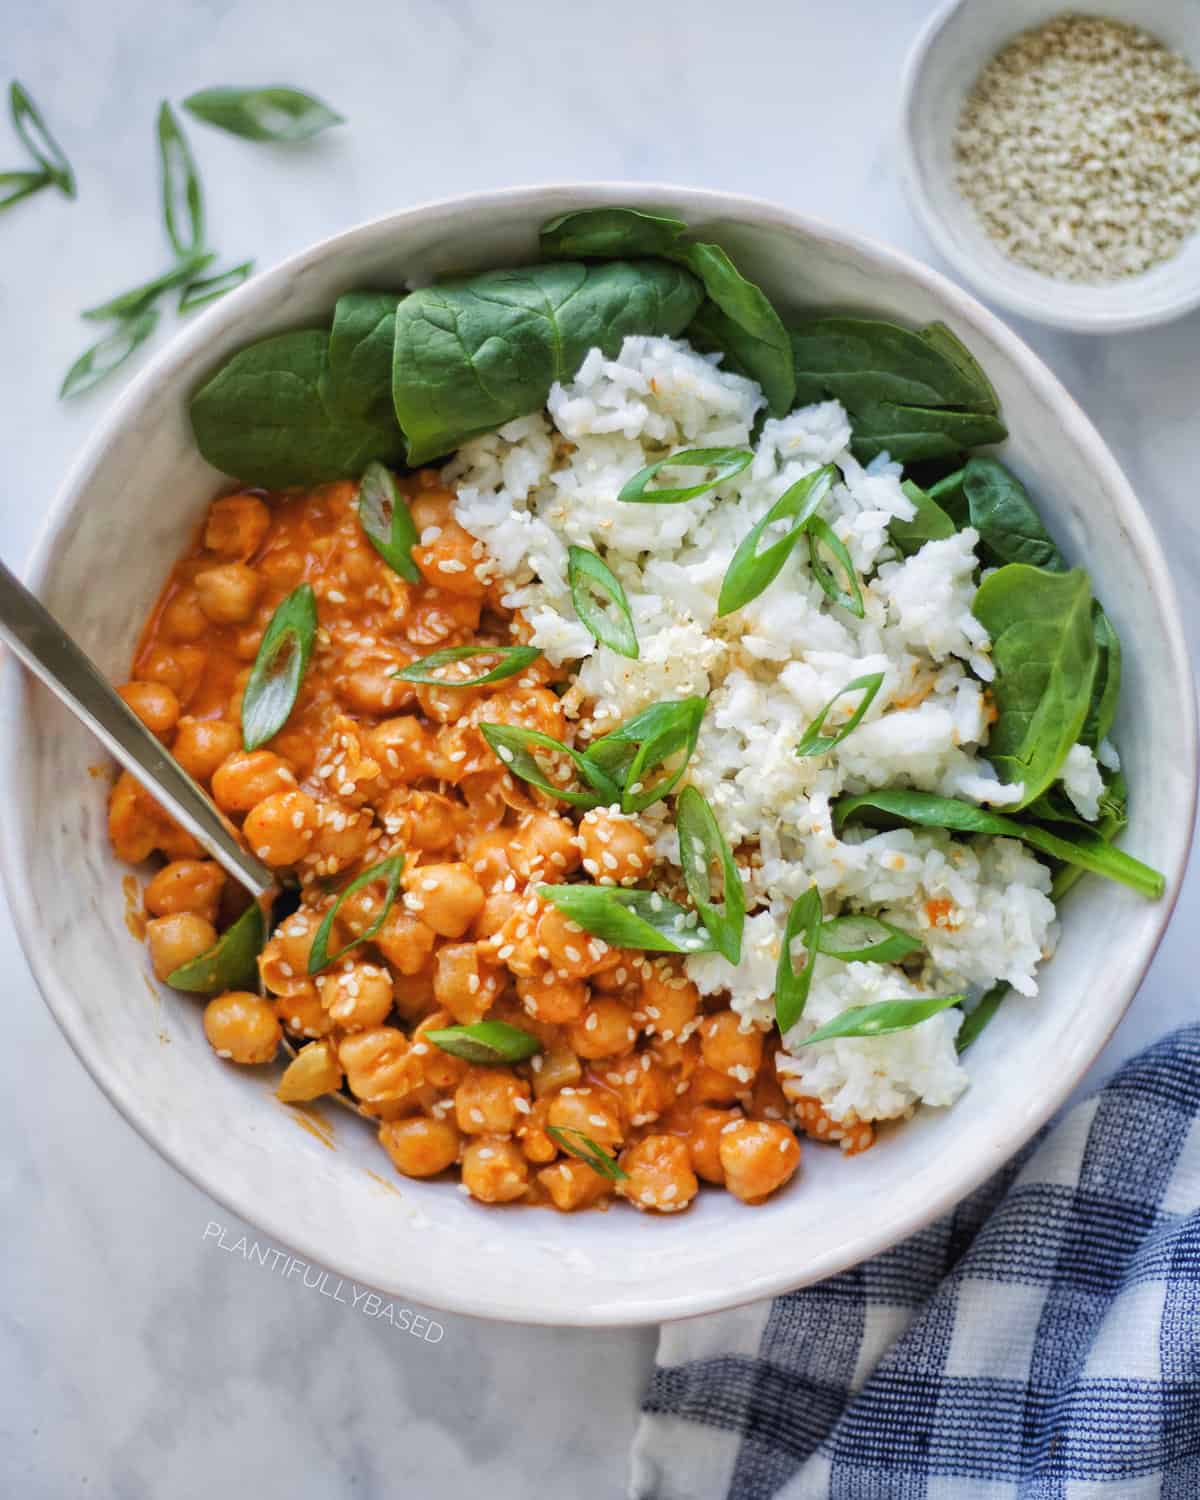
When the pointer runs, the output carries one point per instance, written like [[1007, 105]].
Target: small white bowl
[[947, 57], [125, 513]]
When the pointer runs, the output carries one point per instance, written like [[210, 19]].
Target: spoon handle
[[38, 640]]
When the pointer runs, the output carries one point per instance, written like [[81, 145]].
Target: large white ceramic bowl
[[130, 507], [955, 44]]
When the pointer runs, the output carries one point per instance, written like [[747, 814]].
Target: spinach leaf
[[738, 320], [1114, 816], [910, 433], [927, 810], [949, 494], [474, 352], [1009, 526], [358, 381], [1044, 651], [861, 361], [930, 524], [977, 1019], [274, 113], [1107, 689], [610, 234], [265, 417]]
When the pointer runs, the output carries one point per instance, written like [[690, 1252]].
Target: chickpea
[[704, 1140], [314, 1071], [496, 911], [154, 703], [302, 1013], [283, 963], [371, 687], [242, 1027], [340, 837], [660, 1175], [280, 827], [532, 708], [604, 1029], [181, 668], [441, 1069], [176, 842], [236, 526], [621, 974], [489, 1101], [244, 778], [550, 997], [182, 618], [227, 594], [570, 951], [438, 618], [404, 748], [572, 1184], [555, 1068], [710, 1086], [484, 793], [643, 1086], [282, 568], [135, 823], [615, 850], [357, 996], [728, 1048], [515, 944], [447, 898], [193, 885], [465, 982], [588, 1111], [494, 1171], [405, 941], [487, 856], [424, 820], [531, 1132], [378, 1064], [202, 744], [176, 939], [544, 848], [433, 506], [757, 1156], [412, 994], [669, 1001], [851, 1133], [449, 560], [448, 703], [420, 1147]]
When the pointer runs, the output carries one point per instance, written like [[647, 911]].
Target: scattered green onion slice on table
[[273, 113], [589, 574], [485, 1042], [883, 1019], [856, 938], [205, 289], [576, 1144], [630, 919], [510, 660], [109, 352], [813, 742], [821, 534], [751, 571], [279, 667], [387, 521], [791, 988], [701, 845], [17, 185], [726, 461], [132, 301], [390, 869], [515, 747], [182, 195], [232, 961], [32, 129]]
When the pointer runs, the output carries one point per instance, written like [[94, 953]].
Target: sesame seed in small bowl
[[1053, 156]]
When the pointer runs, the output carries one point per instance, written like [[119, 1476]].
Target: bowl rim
[[1040, 308], [628, 1308]]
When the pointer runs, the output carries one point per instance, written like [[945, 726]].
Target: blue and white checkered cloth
[[1042, 1342]]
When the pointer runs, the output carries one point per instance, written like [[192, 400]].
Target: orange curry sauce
[[366, 767]]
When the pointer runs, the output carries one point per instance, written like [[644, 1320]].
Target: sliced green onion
[[279, 667], [882, 1019], [387, 521], [822, 534], [581, 1146], [390, 869], [791, 989], [511, 660], [485, 1042], [813, 742], [726, 461], [752, 571], [182, 196], [701, 845], [17, 185], [34, 132], [647, 741], [231, 963], [127, 303], [274, 113], [515, 746], [587, 571], [630, 919], [856, 938], [109, 353], [206, 289], [977, 1019]]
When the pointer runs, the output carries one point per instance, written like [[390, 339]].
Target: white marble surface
[[137, 1358]]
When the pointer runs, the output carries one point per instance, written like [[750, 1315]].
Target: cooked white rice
[[982, 909]]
